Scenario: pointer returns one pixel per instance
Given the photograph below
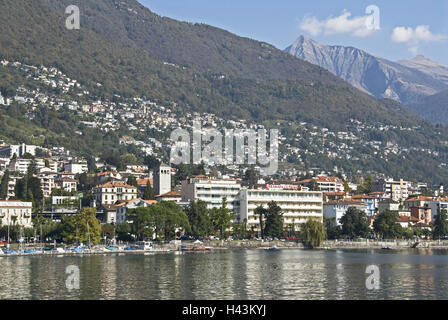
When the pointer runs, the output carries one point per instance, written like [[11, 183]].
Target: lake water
[[230, 275]]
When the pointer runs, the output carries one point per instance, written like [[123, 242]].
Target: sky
[[401, 30]]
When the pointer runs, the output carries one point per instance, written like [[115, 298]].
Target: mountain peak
[[371, 74], [420, 58]]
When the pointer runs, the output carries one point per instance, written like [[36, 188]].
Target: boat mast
[[88, 232]]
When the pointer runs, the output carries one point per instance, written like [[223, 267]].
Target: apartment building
[[21, 165], [371, 202], [212, 191], [416, 202], [17, 150], [297, 206], [16, 212], [395, 190], [324, 184], [77, 168], [437, 205], [337, 209]]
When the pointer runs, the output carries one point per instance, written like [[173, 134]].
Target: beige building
[[111, 192], [17, 212]]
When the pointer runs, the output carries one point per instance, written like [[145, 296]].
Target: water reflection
[[242, 274]]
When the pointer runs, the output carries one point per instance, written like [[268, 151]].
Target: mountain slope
[[371, 74], [206, 47], [35, 33], [433, 108], [431, 68]]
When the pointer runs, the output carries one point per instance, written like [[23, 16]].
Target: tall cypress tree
[[149, 192], [441, 224], [4, 186], [274, 221]]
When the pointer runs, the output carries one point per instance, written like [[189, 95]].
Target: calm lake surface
[[232, 274]]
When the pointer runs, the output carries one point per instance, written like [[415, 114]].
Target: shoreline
[[247, 245]]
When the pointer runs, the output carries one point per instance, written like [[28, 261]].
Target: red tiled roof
[[341, 193], [421, 198], [107, 173], [407, 219], [172, 194], [144, 182], [346, 202], [113, 184], [362, 196]]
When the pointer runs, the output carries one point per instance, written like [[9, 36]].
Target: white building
[[114, 191], [76, 168], [211, 191], [67, 184], [337, 209], [395, 190], [437, 205], [17, 212], [297, 206], [21, 165], [162, 179], [18, 150], [123, 208], [324, 184]]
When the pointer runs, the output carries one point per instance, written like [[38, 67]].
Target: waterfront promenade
[[249, 245]]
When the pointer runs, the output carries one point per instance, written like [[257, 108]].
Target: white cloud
[[413, 37], [343, 24], [420, 34]]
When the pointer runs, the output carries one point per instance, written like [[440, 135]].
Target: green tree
[[4, 186], [221, 217], [239, 229], [123, 232], [175, 218], [313, 233], [149, 192], [199, 218], [143, 223], [354, 223], [132, 181], [251, 177], [333, 231], [274, 220], [440, 224], [82, 227], [127, 159], [261, 213], [366, 186], [386, 225]]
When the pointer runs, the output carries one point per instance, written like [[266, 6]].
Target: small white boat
[[1, 252], [144, 245]]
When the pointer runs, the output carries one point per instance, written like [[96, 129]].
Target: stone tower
[[162, 179]]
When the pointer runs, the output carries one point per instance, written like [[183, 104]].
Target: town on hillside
[[56, 187]]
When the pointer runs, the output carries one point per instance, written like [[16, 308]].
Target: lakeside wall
[[330, 244]]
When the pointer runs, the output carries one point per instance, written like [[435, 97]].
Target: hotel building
[[212, 191], [297, 206]]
